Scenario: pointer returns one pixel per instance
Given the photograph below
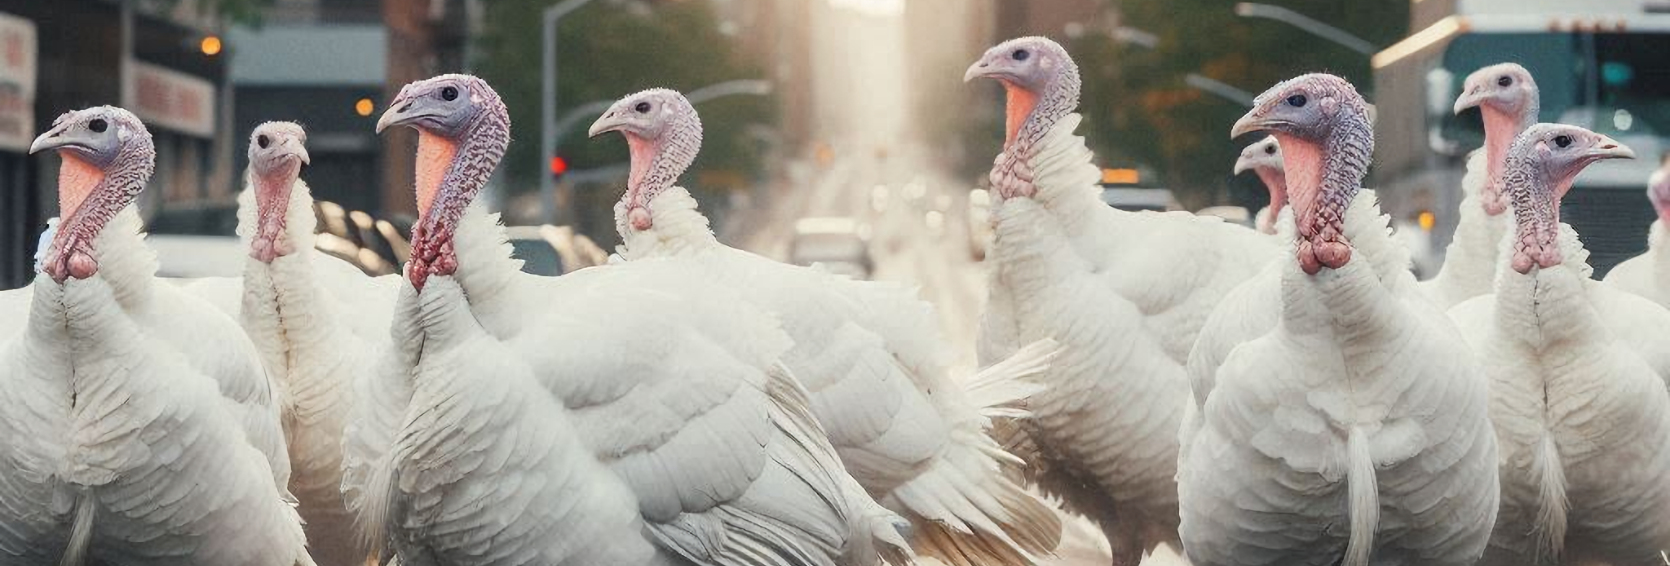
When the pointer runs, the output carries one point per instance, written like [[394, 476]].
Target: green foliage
[[607, 50]]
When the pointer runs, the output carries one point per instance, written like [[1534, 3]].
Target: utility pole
[[410, 58]]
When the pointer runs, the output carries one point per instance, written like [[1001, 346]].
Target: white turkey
[[1263, 158], [136, 423], [626, 414], [870, 353], [317, 322], [1507, 99], [1648, 274], [1582, 418], [1124, 293], [1354, 430]]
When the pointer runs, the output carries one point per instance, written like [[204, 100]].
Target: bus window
[[1632, 89]]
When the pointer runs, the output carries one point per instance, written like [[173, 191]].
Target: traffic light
[[558, 166]]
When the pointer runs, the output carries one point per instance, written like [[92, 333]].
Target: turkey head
[[1541, 164], [463, 130], [1326, 140], [664, 134], [277, 151], [108, 157]]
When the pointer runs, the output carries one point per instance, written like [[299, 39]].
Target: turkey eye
[[1297, 100], [1504, 81], [98, 125], [262, 141], [1269, 150], [1562, 141], [642, 107], [449, 94], [1021, 54]]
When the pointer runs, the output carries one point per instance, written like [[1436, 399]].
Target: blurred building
[[319, 63], [163, 61]]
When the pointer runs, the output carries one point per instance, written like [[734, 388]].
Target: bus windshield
[[1609, 82]]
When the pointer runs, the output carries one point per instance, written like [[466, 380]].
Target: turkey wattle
[[870, 353], [1355, 430], [626, 414], [1263, 158], [1109, 286], [1582, 417], [137, 424], [1507, 98]]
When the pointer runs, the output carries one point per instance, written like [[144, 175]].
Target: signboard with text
[[170, 99], [17, 83]]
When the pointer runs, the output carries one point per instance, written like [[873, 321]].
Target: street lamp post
[[1219, 88], [1306, 23], [548, 102]]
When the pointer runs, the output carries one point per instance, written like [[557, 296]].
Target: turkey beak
[[296, 148], [403, 112], [1254, 121], [611, 121], [58, 137], [1243, 164], [1608, 148], [984, 68], [1469, 99]]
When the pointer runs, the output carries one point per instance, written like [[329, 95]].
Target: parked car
[[185, 256], [553, 250], [840, 244], [1136, 199], [979, 223]]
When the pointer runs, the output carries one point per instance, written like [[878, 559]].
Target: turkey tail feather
[[964, 509], [1550, 527], [374, 519], [81, 531], [1001, 389], [1364, 505]]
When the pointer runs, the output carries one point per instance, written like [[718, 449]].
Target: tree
[[608, 50]]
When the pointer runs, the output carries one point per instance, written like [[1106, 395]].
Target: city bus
[[1600, 64]]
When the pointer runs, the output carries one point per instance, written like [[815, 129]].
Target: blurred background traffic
[[837, 131]]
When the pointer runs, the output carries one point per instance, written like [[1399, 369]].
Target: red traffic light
[[558, 165]]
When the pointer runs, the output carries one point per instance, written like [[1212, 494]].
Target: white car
[[841, 245], [553, 250], [184, 256]]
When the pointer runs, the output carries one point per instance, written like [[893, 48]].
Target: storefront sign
[[170, 99], [17, 83]]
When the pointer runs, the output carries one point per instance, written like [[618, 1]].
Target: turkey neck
[[474, 156], [1323, 180], [1500, 128], [90, 197], [1536, 213], [1030, 117], [1275, 180], [657, 164]]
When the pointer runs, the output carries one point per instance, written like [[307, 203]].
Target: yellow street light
[[210, 45], [1426, 220], [364, 107]]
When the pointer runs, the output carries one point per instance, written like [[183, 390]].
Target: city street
[[919, 235]]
